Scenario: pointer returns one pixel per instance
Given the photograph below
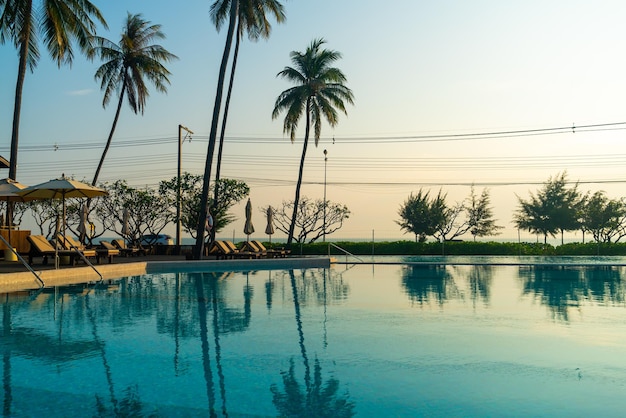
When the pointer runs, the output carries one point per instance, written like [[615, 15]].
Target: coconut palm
[[252, 20], [319, 93], [128, 65], [58, 24], [206, 179]]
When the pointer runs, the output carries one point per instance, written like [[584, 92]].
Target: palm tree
[[252, 20], [127, 66], [206, 179], [57, 23], [319, 91]]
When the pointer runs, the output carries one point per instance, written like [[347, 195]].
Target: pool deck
[[15, 277]]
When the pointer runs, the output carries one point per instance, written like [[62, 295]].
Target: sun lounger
[[274, 253], [40, 247], [126, 251], [220, 250], [241, 253], [106, 250], [68, 243], [250, 246], [226, 249]]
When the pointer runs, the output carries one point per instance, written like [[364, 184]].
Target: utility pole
[[325, 160], [179, 174]]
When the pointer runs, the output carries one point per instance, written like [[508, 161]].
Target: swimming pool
[[364, 340]]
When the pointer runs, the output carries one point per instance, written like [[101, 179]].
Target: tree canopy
[[319, 93], [555, 208]]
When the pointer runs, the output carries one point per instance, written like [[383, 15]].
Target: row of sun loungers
[[248, 249], [68, 247]]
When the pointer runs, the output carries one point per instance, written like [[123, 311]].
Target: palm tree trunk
[[223, 130], [108, 144], [19, 86], [296, 200], [198, 248], [17, 108]]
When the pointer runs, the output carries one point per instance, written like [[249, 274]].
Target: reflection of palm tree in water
[[296, 304], [105, 363], [219, 321], [218, 346], [318, 400], [130, 404], [206, 361]]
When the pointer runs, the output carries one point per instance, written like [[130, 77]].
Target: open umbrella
[[248, 228], [9, 189], [62, 188], [269, 229]]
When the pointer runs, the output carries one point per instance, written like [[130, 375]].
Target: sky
[[432, 81]]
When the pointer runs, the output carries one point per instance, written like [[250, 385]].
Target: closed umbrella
[[57, 230], [125, 223], [62, 188], [248, 228], [84, 226], [269, 229]]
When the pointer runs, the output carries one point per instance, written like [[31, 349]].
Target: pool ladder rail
[[19, 257], [56, 262], [346, 252]]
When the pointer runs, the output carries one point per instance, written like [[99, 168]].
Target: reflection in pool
[[366, 340]]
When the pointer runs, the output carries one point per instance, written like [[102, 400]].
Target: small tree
[[416, 217], [480, 215], [44, 212], [555, 208], [605, 218], [230, 191], [149, 211], [424, 217], [310, 219]]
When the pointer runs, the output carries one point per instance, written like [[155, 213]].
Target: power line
[[466, 136]]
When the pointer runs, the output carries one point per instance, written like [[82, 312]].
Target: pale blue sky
[[416, 68]]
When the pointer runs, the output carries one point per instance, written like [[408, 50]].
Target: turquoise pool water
[[364, 340]]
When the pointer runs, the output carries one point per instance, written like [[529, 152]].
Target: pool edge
[[26, 281]]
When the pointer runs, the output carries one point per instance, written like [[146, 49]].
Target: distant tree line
[[557, 208], [426, 216], [554, 209]]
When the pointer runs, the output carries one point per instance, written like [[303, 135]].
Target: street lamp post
[[178, 175], [325, 163]]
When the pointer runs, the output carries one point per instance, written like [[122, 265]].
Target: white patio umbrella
[[248, 228], [9, 189], [62, 188]]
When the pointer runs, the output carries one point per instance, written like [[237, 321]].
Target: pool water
[[364, 340]]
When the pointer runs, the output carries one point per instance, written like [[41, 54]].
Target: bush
[[459, 248]]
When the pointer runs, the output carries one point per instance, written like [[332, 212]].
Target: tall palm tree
[[206, 179], [127, 66], [252, 20], [58, 24], [319, 93]]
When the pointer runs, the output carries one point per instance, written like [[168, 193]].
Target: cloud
[[82, 92]]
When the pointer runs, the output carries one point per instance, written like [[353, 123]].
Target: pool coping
[[26, 281]]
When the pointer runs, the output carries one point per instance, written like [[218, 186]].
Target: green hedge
[[458, 248]]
